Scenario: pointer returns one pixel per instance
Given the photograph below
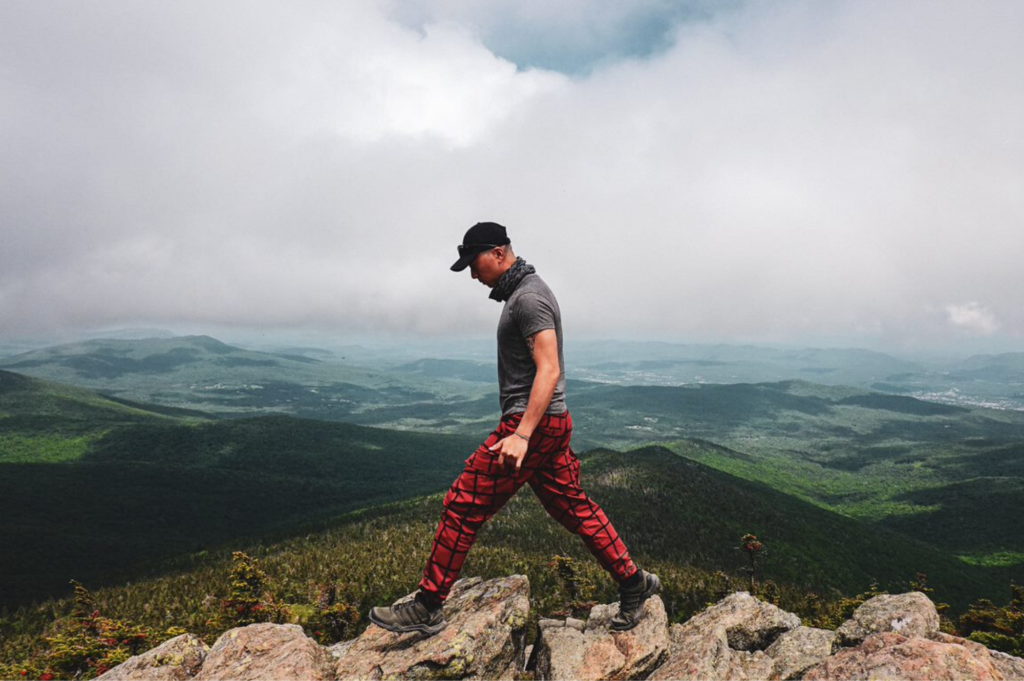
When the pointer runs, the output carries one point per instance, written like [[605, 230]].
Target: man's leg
[[557, 485], [480, 491]]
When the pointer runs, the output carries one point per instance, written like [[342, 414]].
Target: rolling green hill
[[921, 467], [96, 490], [478, 372], [199, 372], [652, 363], [42, 421], [904, 463]]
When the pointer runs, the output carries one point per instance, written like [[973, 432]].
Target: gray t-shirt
[[531, 308]]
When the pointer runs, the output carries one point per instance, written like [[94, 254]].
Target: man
[[530, 445]]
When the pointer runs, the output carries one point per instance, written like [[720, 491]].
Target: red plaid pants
[[553, 471]]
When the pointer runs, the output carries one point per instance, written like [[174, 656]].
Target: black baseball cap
[[480, 237]]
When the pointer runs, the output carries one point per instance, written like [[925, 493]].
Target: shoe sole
[[654, 587], [420, 628]]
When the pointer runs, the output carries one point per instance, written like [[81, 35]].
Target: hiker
[[530, 445]]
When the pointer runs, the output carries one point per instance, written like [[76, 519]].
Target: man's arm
[[544, 348]]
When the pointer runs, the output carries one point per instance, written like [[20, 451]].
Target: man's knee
[[462, 514]]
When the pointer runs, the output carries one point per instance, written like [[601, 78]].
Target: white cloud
[[973, 318], [777, 171], [382, 80]]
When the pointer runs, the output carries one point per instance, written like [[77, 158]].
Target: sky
[[832, 172]]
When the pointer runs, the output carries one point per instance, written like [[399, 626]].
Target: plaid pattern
[[552, 470]]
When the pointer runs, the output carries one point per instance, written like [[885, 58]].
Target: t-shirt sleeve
[[533, 313]]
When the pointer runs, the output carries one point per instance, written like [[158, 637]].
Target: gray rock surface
[[484, 638], [1009, 666], [890, 655], [797, 650], [566, 652], [266, 651], [176, 659], [910, 614], [726, 641]]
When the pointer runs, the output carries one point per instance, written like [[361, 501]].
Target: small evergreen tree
[[250, 599], [334, 618], [754, 549], [577, 587]]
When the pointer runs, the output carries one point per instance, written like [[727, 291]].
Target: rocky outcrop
[[484, 638], [898, 637], [1009, 666], [892, 656], [910, 614], [797, 650], [726, 641], [574, 649], [176, 659], [739, 638], [266, 651]]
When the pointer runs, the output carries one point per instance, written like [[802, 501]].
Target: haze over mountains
[[986, 380]]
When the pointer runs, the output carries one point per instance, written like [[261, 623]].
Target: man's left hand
[[512, 447]]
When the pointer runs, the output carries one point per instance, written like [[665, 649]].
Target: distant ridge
[[201, 372]]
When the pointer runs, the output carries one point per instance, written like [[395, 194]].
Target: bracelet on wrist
[[516, 433]]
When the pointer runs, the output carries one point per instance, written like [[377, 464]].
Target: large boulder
[[726, 641], [909, 614], [892, 656], [266, 651], [484, 638], [1009, 666], [797, 650], [573, 649], [176, 659]]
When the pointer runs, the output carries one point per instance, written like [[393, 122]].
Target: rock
[[484, 638], [910, 614], [797, 650], [266, 651], [753, 666], [973, 646], [339, 649], [750, 624], [1009, 666], [738, 639], [710, 658], [578, 625], [176, 659], [595, 652], [694, 656], [726, 641], [1012, 668], [892, 656]]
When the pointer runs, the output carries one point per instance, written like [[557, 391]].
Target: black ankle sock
[[431, 601], [633, 580]]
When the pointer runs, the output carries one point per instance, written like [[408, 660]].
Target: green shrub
[[1000, 628]]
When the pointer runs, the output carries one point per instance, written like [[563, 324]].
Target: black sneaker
[[410, 615], [631, 601]]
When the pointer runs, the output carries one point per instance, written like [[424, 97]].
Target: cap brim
[[463, 262]]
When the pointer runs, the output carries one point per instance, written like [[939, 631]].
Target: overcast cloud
[[773, 171]]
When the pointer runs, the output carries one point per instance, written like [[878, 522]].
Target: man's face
[[487, 267]]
